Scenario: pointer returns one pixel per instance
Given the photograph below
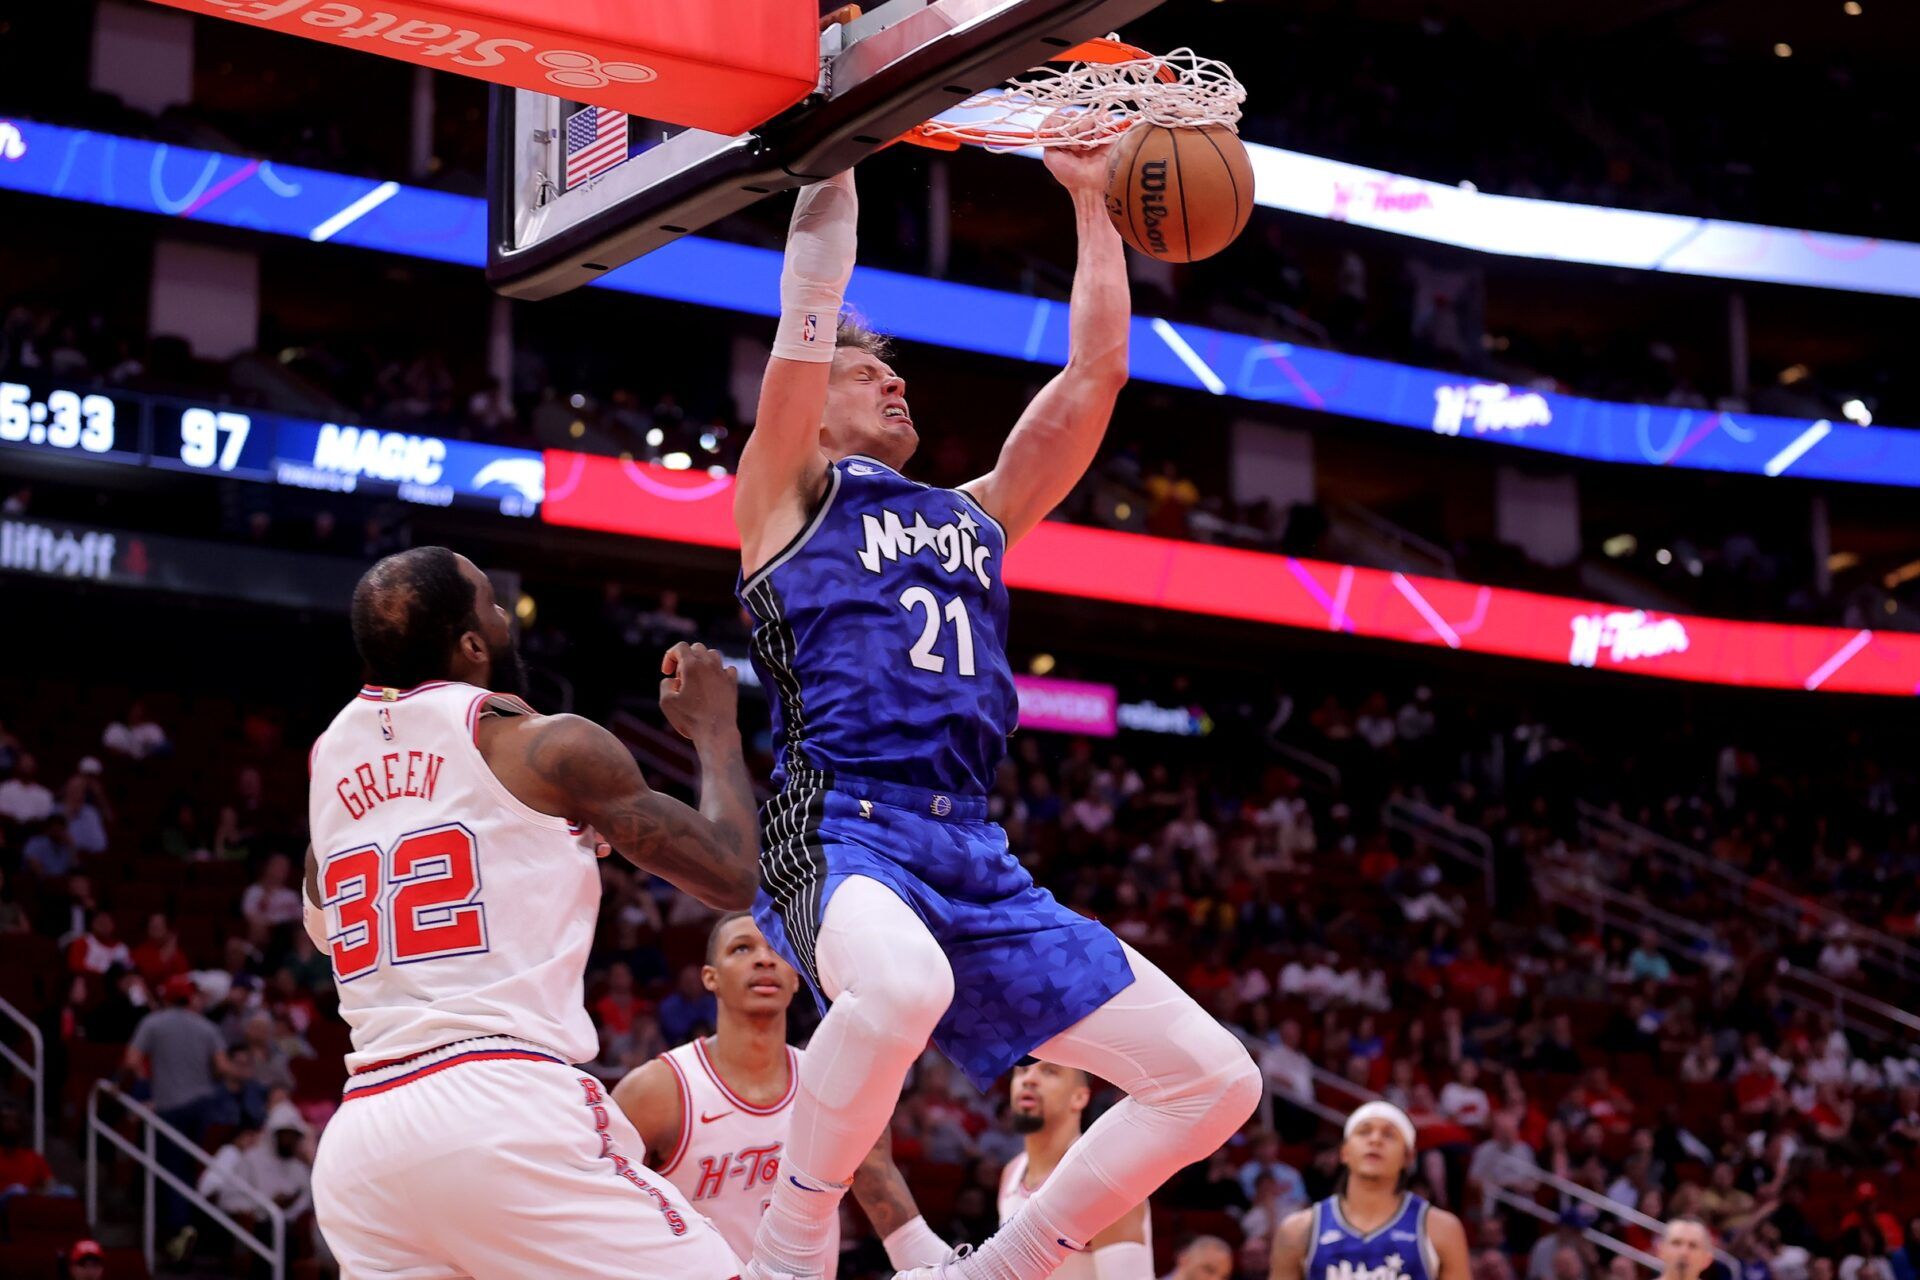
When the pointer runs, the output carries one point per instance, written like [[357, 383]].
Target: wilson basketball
[[1179, 194]]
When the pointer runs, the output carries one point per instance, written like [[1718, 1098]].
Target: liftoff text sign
[[723, 67]]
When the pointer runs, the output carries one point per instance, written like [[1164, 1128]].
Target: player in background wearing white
[[1372, 1225], [889, 977], [1049, 1103], [454, 865], [714, 1112]]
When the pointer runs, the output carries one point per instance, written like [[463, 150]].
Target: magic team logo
[[953, 544], [1391, 1267]]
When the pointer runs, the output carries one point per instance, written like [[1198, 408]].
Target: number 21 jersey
[[880, 636]]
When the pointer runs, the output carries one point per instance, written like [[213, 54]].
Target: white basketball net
[[1088, 103]]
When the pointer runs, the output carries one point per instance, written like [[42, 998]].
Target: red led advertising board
[[649, 501]]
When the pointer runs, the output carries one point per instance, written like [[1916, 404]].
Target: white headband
[[1381, 1111]]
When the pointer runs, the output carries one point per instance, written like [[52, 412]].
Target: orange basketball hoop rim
[[1103, 88]]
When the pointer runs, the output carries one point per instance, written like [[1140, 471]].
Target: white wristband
[[1126, 1260], [915, 1245], [807, 335]]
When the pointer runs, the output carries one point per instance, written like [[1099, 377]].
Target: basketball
[[1180, 195]]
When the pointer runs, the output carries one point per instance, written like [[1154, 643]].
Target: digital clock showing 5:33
[[63, 420]]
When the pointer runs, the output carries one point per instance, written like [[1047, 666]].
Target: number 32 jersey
[[880, 636], [453, 911]]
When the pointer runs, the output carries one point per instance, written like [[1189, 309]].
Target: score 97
[[201, 438]]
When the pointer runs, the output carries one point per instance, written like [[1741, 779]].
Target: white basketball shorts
[[493, 1158]]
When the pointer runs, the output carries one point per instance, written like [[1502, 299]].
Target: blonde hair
[[855, 333]]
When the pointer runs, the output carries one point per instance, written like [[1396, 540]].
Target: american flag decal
[[596, 142]]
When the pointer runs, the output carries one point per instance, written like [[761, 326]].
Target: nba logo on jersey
[[386, 723]]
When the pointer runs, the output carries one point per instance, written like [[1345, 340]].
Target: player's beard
[[507, 670], [1025, 1122]]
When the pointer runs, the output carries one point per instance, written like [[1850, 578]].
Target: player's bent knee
[[905, 996]]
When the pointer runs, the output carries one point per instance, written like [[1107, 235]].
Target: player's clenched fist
[[700, 695]]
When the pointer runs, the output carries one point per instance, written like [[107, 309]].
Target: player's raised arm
[[782, 469], [570, 766], [1056, 438], [884, 1196]]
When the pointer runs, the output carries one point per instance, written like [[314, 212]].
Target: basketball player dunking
[[1372, 1227], [880, 623], [1048, 1104], [714, 1112], [457, 899]]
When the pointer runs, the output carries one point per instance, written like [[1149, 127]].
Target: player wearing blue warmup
[[880, 615], [1372, 1227]]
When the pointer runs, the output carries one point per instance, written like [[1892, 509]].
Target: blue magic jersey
[[880, 637], [1398, 1250]]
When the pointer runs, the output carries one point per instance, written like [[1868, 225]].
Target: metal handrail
[[1849, 1008], [1500, 1195], [148, 1158], [1904, 956], [1328, 771], [1424, 822], [36, 1071]]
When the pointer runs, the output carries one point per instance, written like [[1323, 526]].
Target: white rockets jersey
[[451, 909], [729, 1154], [1014, 1193]]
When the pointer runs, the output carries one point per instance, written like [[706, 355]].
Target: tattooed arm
[[571, 767], [882, 1192]]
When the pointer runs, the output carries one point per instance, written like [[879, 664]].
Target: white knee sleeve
[[890, 984]]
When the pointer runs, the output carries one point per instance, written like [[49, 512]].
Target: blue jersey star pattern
[[1397, 1250], [880, 638]]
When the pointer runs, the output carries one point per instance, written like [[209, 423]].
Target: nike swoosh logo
[[1069, 1245], [707, 1119], [804, 1187]]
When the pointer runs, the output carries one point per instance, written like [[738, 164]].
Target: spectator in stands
[[690, 1006], [99, 949], [52, 853], [23, 1171], [136, 737], [184, 837], [9, 745], [271, 904], [1840, 958], [274, 1167], [267, 1057], [1266, 1162], [240, 1099], [1648, 962], [1502, 1161], [86, 1260], [1462, 1100], [180, 1054], [241, 819], [1569, 1233], [159, 956], [22, 797], [1206, 1258], [84, 825]]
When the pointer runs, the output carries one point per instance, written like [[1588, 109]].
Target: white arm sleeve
[[1127, 1260], [821, 244]]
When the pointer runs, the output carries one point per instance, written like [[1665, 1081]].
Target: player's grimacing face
[[867, 410], [1375, 1149], [1041, 1091], [747, 974]]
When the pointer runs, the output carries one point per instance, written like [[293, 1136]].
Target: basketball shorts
[[493, 1158], [1025, 968]]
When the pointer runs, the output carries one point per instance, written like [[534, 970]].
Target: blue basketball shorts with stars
[[1025, 968]]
